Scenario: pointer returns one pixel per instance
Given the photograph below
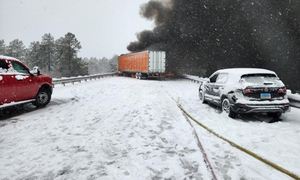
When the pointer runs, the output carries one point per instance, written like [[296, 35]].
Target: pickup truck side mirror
[[35, 71]]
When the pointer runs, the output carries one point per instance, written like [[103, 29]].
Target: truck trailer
[[143, 64]]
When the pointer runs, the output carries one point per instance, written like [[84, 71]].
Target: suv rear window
[[259, 77]]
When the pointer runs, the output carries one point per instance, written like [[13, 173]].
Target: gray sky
[[103, 27]]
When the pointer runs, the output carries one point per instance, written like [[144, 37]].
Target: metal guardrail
[[293, 98], [193, 78], [72, 80]]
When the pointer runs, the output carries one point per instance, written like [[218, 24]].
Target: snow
[[235, 74], [241, 71], [123, 128], [8, 57], [294, 96], [21, 77], [13, 103], [261, 82]]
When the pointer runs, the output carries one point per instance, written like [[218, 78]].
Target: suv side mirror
[[206, 80], [242, 80], [35, 71]]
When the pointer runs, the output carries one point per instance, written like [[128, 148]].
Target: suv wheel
[[42, 98], [201, 96], [226, 107]]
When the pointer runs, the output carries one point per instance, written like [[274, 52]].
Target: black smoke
[[201, 36]]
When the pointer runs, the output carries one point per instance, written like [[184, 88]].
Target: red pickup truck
[[19, 84]]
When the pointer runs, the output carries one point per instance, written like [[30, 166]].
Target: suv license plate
[[265, 96]]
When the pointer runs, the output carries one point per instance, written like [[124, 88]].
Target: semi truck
[[143, 64]]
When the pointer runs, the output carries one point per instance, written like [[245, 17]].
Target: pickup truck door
[[26, 84], [7, 88], [7, 84]]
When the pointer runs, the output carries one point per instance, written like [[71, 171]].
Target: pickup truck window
[[19, 67], [3, 66]]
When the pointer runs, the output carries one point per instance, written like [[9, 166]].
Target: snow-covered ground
[[123, 128]]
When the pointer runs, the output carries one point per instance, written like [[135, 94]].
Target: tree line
[[57, 58]]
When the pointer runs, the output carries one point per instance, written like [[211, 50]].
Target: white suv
[[246, 90]]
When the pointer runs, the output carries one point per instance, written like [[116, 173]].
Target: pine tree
[[69, 64], [47, 52], [33, 56], [16, 49], [113, 64], [93, 66], [104, 65], [2, 47]]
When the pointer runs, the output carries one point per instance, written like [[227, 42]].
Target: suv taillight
[[247, 91], [282, 90]]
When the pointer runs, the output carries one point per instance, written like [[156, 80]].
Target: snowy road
[[123, 128]]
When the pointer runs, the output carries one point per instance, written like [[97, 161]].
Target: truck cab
[[19, 84]]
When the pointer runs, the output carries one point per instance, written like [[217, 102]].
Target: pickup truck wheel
[[226, 107], [42, 98]]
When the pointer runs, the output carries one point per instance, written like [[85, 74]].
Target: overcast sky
[[103, 27]]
